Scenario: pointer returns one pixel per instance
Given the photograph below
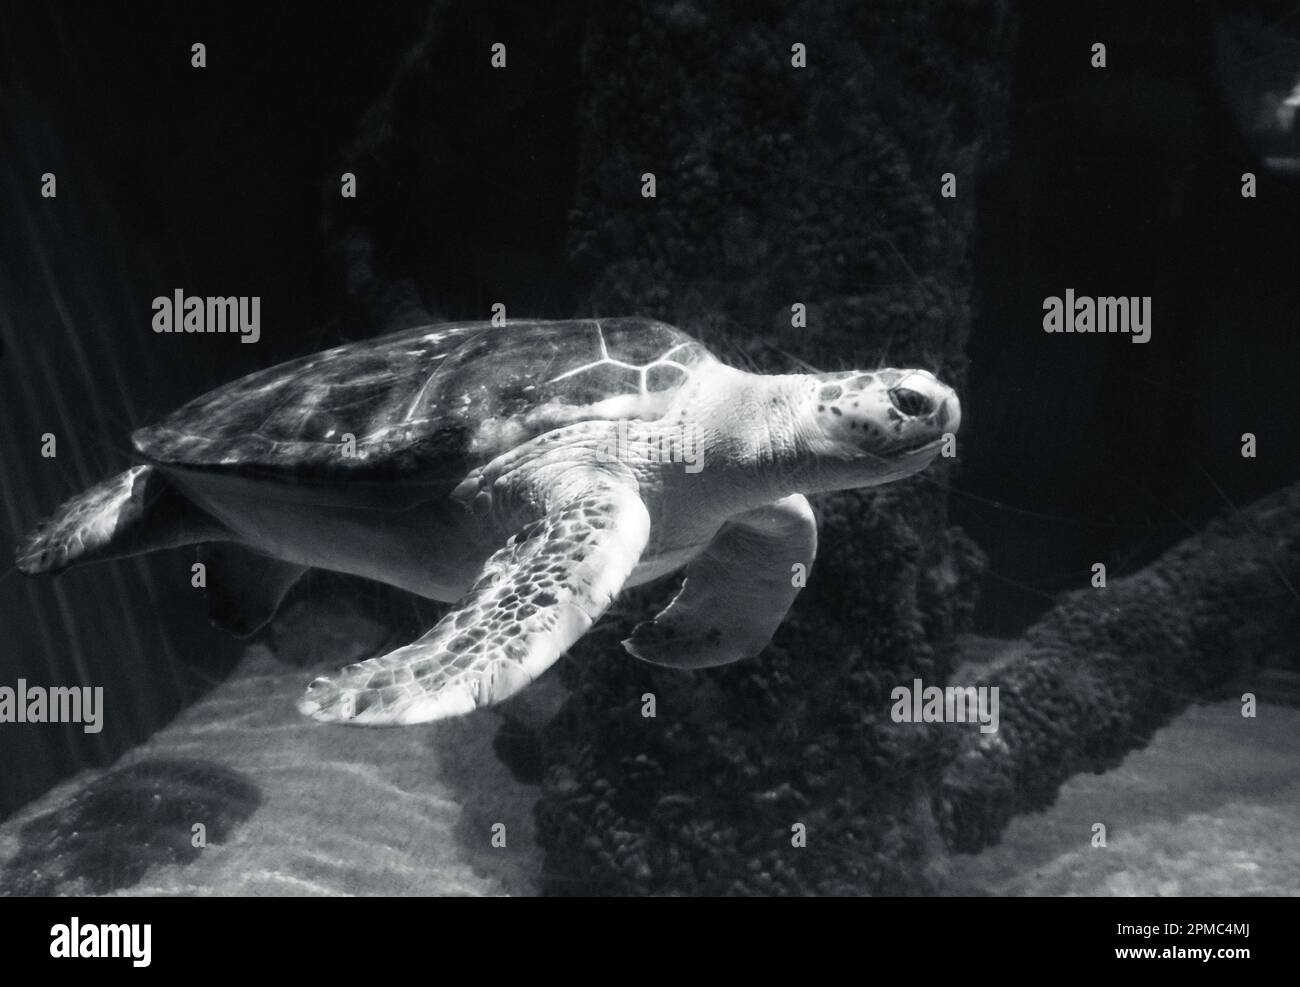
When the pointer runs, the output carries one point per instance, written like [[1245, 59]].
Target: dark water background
[[215, 181], [168, 178], [1125, 181]]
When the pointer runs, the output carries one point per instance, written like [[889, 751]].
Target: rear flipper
[[134, 512], [245, 589]]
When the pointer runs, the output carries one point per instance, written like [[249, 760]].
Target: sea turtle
[[527, 471]]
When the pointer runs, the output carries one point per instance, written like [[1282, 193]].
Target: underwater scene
[[660, 448]]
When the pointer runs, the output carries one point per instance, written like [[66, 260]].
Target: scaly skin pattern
[[86, 523], [536, 596]]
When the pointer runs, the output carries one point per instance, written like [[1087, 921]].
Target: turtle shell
[[437, 399]]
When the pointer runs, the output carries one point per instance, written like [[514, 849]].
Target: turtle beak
[[949, 417]]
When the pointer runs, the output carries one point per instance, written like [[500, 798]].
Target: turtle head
[[869, 428]]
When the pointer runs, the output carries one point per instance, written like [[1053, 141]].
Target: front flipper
[[535, 597], [737, 590]]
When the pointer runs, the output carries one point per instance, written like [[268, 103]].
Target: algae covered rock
[[1107, 667], [776, 187]]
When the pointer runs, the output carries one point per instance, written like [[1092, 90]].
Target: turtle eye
[[909, 402]]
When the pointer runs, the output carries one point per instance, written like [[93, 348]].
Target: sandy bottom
[[291, 807], [288, 806]]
